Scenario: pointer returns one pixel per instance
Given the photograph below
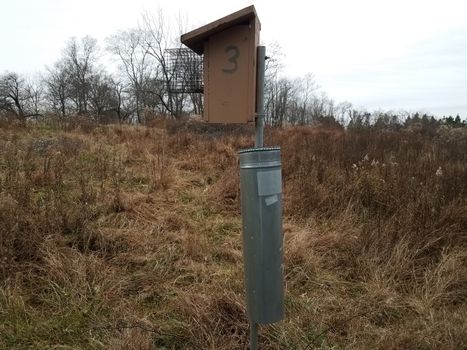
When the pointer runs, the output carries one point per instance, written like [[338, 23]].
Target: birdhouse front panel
[[230, 75]]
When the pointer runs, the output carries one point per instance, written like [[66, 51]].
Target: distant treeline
[[78, 84]]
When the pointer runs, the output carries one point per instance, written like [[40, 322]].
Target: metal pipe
[[253, 335], [259, 141], [260, 72]]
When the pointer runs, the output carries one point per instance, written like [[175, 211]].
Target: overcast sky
[[376, 54]]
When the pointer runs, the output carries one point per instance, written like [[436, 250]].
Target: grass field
[[117, 237]]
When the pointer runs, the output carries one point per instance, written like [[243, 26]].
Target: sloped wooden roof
[[196, 38]]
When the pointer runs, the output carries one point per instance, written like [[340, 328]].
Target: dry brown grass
[[123, 237]]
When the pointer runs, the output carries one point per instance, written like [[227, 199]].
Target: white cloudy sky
[[394, 54]]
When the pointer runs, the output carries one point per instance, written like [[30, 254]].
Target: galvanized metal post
[[261, 198], [259, 141], [253, 335], [260, 72]]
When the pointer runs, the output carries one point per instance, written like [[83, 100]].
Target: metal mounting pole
[[253, 336], [259, 141], [259, 120]]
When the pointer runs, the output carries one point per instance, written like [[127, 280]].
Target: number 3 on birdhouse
[[233, 53]]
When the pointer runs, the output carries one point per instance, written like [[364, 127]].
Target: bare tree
[[320, 107], [344, 112], [56, 92], [272, 75], [79, 59], [306, 86], [135, 62], [101, 95], [144, 61], [157, 41], [280, 91], [123, 105], [274, 61], [13, 95], [35, 92]]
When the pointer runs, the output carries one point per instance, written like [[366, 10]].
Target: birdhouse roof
[[196, 38]]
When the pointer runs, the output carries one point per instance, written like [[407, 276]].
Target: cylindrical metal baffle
[[261, 197]]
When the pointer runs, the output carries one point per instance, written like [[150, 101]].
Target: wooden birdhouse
[[229, 49]]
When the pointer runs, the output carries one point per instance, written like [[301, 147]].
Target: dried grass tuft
[[119, 237]]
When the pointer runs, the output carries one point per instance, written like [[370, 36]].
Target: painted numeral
[[233, 53]]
